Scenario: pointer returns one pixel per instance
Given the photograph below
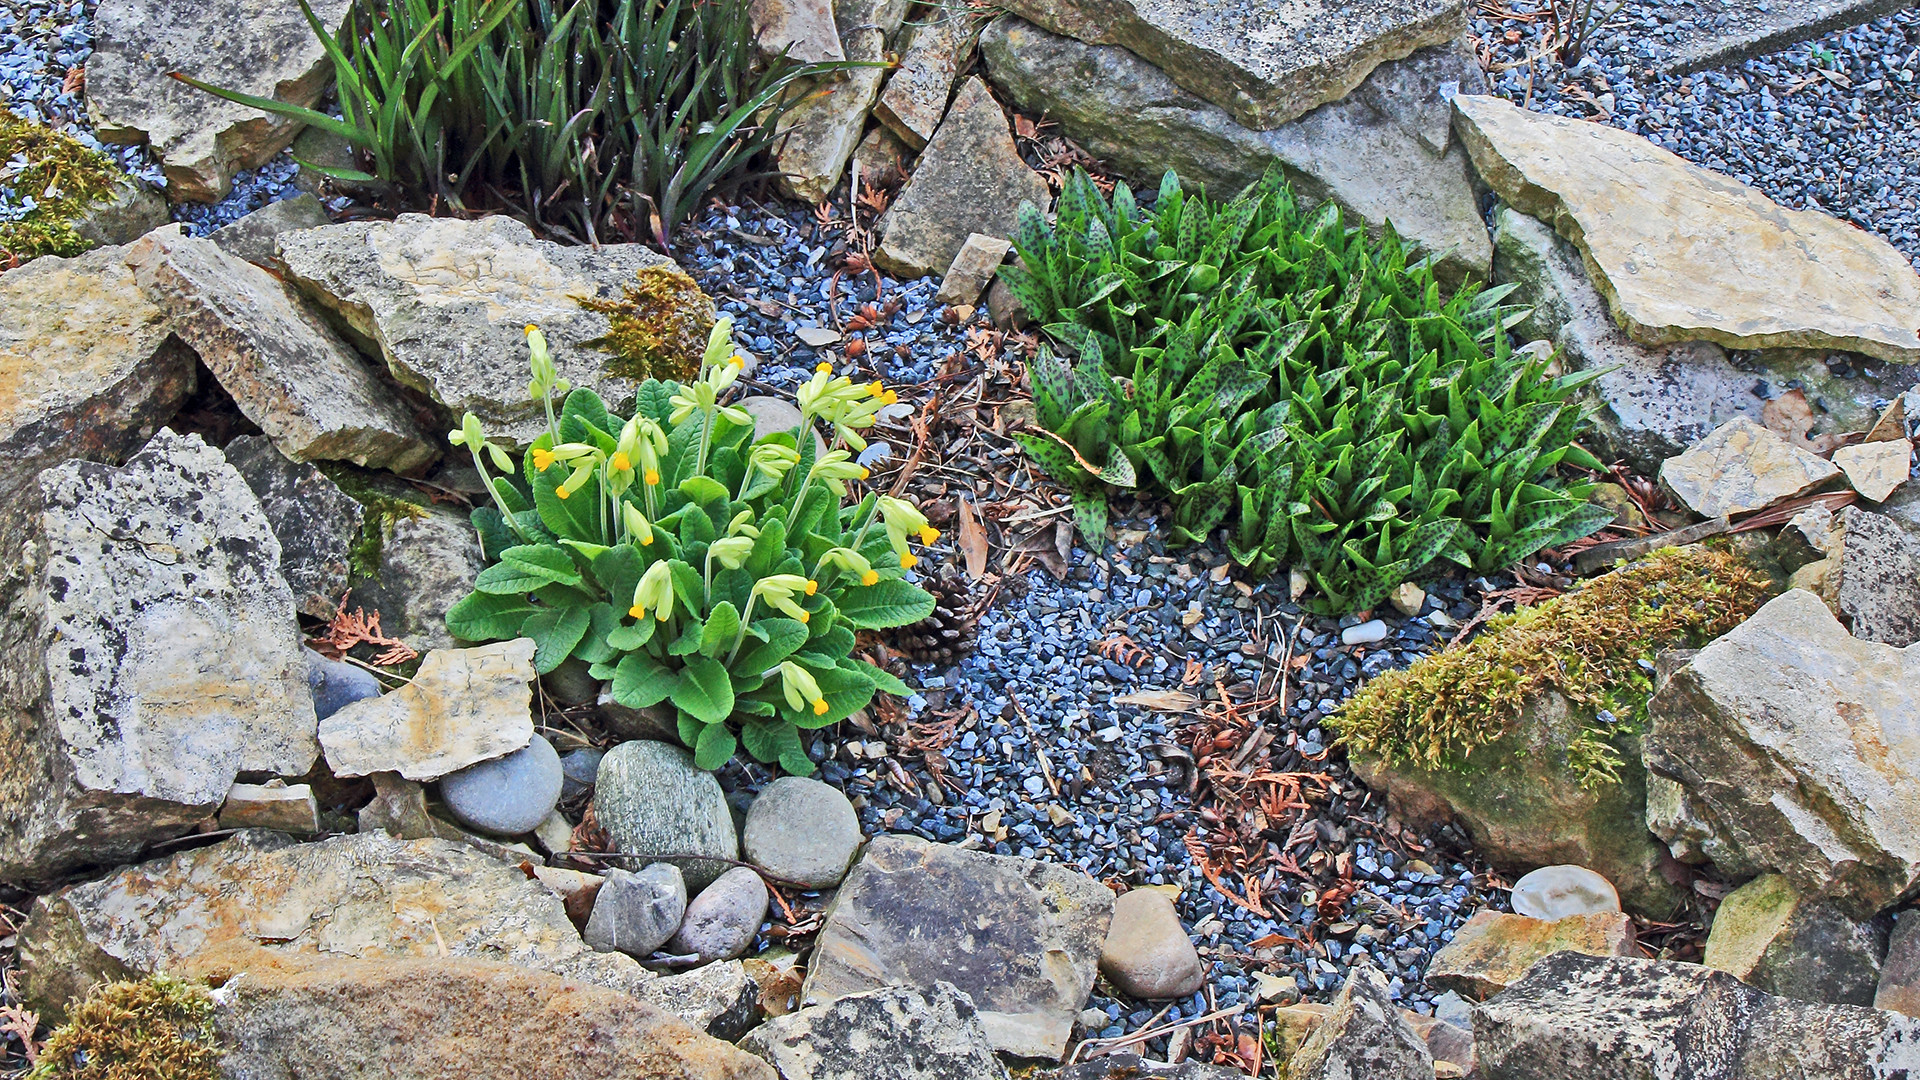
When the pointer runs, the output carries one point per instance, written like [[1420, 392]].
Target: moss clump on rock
[[659, 329], [63, 178], [1587, 647], [159, 1028], [384, 509]]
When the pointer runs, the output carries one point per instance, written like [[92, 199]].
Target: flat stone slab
[[150, 656], [1740, 468], [1020, 937], [916, 94], [820, 133], [464, 706], [1264, 61], [1694, 35], [1806, 280], [447, 303], [1494, 949]]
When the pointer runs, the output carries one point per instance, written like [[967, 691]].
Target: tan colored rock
[[1494, 949], [288, 808], [973, 269], [882, 158], [820, 133], [802, 29], [970, 180], [916, 95], [1875, 469], [464, 706], [1806, 280], [1148, 953], [1740, 468], [1899, 988]]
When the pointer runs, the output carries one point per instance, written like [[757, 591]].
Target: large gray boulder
[[259, 47], [1382, 153], [1794, 746], [1620, 1018], [897, 1032], [446, 303], [1264, 61], [150, 657], [657, 805], [1363, 1037], [1034, 932], [315, 522]]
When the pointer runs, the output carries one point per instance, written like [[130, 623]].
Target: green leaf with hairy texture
[[555, 634], [703, 489], [722, 627], [640, 681], [604, 619], [486, 617], [704, 689], [783, 637], [883, 680], [629, 636], [771, 742], [714, 748], [886, 603]]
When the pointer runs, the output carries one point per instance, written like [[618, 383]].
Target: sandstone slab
[[1382, 154], [1808, 281], [656, 803], [1493, 950], [1021, 938], [1875, 469], [259, 47], [898, 1032], [1364, 1036], [1876, 578], [287, 808], [1264, 61], [315, 522], [972, 269], [822, 130], [446, 303], [970, 180], [1795, 746], [88, 367], [1769, 936], [916, 94], [464, 706], [1740, 468], [151, 656], [1618, 1018]]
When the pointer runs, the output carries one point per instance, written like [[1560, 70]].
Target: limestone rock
[[1364, 1036], [366, 895], [287, 370], [1619, 1018], [150, 656], [897, 1032], [446, 302], [1769, 936], [428, 561], [1381, 153], [1899, 988], [464, 706], [916, 95], [1493, 950], [1128, 1066], [802, 29], [1876, 468], [1811, 281], [723, 919], [288, 808], [253, 237], [1794, 744], [131, 210], [283, 1018], [820, 133], [1559, 892], [979, 259], [1035, 929], [653, 801], [1877, 586], [509, 795], [1740, 468], [636, 913], [259, 47], [970, 180], [721, 999], [1265, 61], [88, 367], [315, 522], [802, 831], [1148, 954], [1698, 37]]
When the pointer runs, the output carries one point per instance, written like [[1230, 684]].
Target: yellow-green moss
[[659, 329], [62, 176], [384, 509], [1585, 645], [159, 1028]]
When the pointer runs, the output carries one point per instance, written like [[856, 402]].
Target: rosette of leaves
[[712, 582], [1278, 373]]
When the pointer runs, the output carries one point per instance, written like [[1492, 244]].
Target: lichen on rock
[[659, 327]]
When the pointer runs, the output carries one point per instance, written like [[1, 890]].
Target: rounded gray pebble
[[637, 913], [580, 767], [508, 795], [722, 920], [802, 831], [337, 684]]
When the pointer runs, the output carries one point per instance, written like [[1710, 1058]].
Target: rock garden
[[803, 539]]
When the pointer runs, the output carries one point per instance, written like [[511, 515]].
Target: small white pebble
[[1365, 634]]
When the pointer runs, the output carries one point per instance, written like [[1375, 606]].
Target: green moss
[[659, 329], [1586, 645], [62, 176], [386, 504], [159, 1028]]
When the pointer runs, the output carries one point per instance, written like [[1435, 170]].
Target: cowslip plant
[[1278, 373], [692, 564]]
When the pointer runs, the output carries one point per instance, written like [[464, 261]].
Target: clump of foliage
[[51, 178], [1276, 371], [160, 1028], [1587, 646], [659, 328], [694, 564], [596, 119]]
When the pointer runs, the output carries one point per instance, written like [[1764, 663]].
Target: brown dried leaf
[[1160, 700], [1791, 416], [973, 541]]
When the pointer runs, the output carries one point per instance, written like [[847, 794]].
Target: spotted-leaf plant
[[697, 567], [1282, 375]]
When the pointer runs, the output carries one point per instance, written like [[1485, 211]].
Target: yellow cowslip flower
[[542, 458], [851, 561], [731, 552], [581, 474], [719, 344], [742, 524], [835, 467], [801, 688], [902, 519], [620, 462], [779, 590], [929, 535], [812, 586], [655, 593], [637, 524]]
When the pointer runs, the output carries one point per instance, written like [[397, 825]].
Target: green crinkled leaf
[[771, 742], [704, 690], [783, 637], [640, 681], [886, 603], [714, 747], [555, 634], [722, 627], [485, 617]]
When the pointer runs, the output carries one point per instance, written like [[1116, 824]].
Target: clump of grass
[[159, 1028], [1586, 646], [659, 329], [61, 176]]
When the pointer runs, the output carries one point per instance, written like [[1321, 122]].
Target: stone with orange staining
[[464, 706]]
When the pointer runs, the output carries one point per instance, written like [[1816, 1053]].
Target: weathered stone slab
[[1032, 930], [1620, 1018], [916, 95], [464, 706], [260, 47], [973, 268], [1740, 468], [447, 303], [1264, 61], [802, 29], [897, 1032], [1769, 936], [253, 237], [1696, 35], [150, 657], [315, 522], [289, 808], [821, 132], [88, 367], [1364, 1036], [1875, 469], [1796, 746], [1808, 280], [1876, 579], [1381, 154], [970, 180], [287, 370], [428, 562], [1493, 950]]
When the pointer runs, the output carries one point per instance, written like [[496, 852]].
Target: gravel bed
[[1831, 125]]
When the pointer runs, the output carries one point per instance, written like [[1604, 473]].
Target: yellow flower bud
[[820, 707], [812, 586], [542, 459], [653, 477], [908, 561], [562, 493], [620, 463], [929, 535], [870, 577], [638, 612]]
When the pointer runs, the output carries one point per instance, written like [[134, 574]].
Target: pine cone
[[946, 635]]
